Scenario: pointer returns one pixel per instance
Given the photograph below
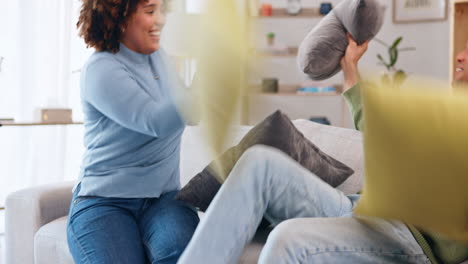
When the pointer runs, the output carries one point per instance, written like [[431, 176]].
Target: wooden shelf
[[40, 124], [298, 94], [282, 13], [290, 90], [291, 52]]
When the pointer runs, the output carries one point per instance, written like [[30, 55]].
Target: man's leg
[[264, 182], [341, 240]]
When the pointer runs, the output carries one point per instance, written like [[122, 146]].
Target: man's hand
[[349, 62]]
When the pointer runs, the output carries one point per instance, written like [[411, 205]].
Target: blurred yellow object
[[416, 157], [221, 62]]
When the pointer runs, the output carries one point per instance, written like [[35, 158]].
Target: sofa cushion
[[416, 147], [275, 131], [343, 144], [51, 246], [195, 152], [320, 52], [50, 243]]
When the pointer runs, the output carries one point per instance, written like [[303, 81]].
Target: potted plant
[[270, 38], [393, 76]]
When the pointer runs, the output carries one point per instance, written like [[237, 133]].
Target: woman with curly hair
[[123, 208]]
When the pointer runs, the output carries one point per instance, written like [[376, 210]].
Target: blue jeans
[[120, 230], [313, 222]]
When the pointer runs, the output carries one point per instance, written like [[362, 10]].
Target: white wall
[[431, 40]]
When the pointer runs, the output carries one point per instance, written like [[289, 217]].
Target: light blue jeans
[[314, 222]]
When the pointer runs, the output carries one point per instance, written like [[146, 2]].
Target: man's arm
[[349, 65], [353, 98]]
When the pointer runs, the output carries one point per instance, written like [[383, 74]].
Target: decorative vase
[[325, 8], [266, 10], [270, 85]]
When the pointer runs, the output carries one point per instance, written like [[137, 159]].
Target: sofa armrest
[[26, 211]]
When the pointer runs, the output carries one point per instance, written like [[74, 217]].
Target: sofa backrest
[[343, 144]]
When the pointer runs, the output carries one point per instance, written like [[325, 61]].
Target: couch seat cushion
[[51, 246], [50, 243]]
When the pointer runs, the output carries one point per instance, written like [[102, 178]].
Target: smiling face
[[461, 70], [143, 31]]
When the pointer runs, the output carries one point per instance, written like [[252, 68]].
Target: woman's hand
[[349, 62]]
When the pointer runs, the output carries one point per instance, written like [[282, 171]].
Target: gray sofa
[[36, 217]]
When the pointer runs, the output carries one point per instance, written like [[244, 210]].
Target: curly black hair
[[102, 22]]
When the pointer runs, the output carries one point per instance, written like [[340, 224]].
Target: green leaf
[[396, 42], [393, 56], [381, 59]]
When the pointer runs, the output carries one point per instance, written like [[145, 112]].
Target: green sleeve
[[448, 251], [353, 98]]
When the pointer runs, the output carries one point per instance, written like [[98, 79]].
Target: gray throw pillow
[[321, 51], [275, 131]]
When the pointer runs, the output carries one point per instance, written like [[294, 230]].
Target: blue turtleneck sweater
[[132, 126]]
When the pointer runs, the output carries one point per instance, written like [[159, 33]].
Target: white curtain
[[42, 55], [42, 58]]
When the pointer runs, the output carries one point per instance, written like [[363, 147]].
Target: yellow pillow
[[416, 158]]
